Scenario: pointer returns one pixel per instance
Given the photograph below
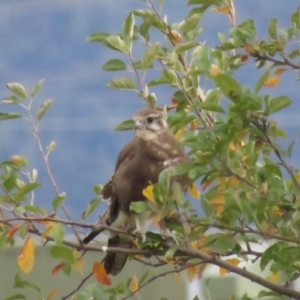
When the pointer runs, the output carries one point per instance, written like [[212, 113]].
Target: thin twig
[[78, 287]]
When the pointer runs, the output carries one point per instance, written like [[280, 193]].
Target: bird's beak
[[138, 124]]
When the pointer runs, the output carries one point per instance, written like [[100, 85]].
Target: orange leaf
[[194, 191], [134, 285], [223, 271], [244, 57], [248, 48], [57, 268], [191, 273], [26, 257], [206, 184], [100, 274], [12, 230], [272, 81], [148, 193], [51, 294]]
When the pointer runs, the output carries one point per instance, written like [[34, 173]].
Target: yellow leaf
[[214, 70], [78, 263], [100, 274], [272, 81], [218, 203], [191, 273], [233, 261], [194, 191], [279, 71], [49, 226], [134, 285], [201, 269], [274, 277], [232, 181], [297, 176], [194, 124], [175, 37], [177, 277], [179, 133], [26, 257], [148, 193], [221, 9]]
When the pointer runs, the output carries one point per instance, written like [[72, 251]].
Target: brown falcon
[[153, 149]]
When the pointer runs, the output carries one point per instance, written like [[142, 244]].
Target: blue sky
[[46, 39]]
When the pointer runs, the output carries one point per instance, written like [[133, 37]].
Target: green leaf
[[43, 108], [117, 43], [125, 125], [128, 26], [114, 65], [9, 115], [186, 46], [15, 297], [278, 103], [261, 80], [97, 189], [271, 294], [272, 29], [35, 209], [20, 283], [157, 81], [17, 89], [209, 106], [149, 55], [228, 85], [13, 99], [27, 188], [37, 87], [91, 207], [295, 18], [63, 252], [123, 83], [58, 233], [97, 37], [58, 200], [139, 206], [203, 62]]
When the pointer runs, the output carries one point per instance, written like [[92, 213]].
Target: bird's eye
[[150, 120]]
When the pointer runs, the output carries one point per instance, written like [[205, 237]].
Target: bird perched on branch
[[153, 149]]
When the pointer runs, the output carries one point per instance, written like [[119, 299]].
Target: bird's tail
[[114, 262]]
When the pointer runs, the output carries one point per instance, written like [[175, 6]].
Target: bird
[[153, 149]]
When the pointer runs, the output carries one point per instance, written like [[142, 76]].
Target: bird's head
[[149, 123]]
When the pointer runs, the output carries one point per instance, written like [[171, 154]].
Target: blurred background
[[47, 39]]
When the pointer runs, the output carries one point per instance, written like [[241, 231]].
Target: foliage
[[247, 190]]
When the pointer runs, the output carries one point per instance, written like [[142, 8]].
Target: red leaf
[[57, 268]]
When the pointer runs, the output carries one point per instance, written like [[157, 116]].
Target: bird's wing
[[124, 153]]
